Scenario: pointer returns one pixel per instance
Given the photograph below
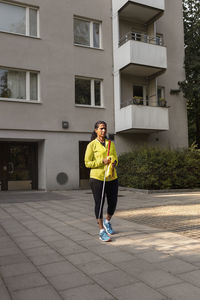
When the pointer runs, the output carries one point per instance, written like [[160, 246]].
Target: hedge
[[155, 169]]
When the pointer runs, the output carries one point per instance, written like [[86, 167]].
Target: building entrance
[[18, 166]]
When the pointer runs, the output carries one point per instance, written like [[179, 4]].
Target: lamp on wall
[[65, 124]]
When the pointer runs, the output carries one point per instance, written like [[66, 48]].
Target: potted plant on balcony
[[138, 100], [162, 102]]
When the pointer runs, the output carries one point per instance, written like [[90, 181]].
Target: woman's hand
[[114, 164], [106, 160]]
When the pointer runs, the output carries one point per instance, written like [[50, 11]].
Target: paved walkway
[[49, 248]]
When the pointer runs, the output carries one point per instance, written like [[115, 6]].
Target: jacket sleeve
[[90, 161], [113, 154]]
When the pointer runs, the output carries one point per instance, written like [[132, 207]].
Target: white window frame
[[91, 32], [162, 88], [27, 88], [27, 29], [92, 92]]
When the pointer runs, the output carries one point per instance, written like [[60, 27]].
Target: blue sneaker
[[108, 227], [104, 237]]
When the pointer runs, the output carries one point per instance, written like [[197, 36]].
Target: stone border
[[121, 188]]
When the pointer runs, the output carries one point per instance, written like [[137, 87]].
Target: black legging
[[111, 191]]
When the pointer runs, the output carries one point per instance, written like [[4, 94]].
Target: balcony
[[142, 11], [141, 55], [138, 117]]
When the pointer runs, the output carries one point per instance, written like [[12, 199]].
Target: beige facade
[[53, 57]]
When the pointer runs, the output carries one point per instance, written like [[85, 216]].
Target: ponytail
[[93, 136]]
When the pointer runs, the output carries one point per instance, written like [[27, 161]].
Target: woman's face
[[101, 131]]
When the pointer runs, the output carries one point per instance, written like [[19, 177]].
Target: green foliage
[[155, 169], [191, 85]]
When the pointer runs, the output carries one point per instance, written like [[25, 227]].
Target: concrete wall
[[171, 26], [58, 61], [57, 152]]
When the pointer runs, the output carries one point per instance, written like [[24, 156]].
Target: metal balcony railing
[[143, 102], [140, 37]]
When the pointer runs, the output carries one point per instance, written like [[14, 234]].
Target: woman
[[98, 161]]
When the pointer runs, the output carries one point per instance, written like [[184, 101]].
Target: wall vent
[[62, 178]]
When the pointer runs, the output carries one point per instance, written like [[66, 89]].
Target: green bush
[[155, 169]]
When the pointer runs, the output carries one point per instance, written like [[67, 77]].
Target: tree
[[191, 85]]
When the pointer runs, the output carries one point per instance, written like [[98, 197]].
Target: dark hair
[[96, 126]]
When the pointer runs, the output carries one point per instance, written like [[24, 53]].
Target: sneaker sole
[[105, 241]]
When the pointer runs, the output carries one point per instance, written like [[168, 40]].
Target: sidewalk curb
[[121, 188]]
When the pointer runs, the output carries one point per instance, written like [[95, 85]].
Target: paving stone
[[4, 244], [53, 237], [88, 292], [154, 256], [71, 280], [57, 268], [75, 248], [90, 243], [147, 255], [192, 277], [39, 251], [9, 251], [26, 281], [158, 278], [40, 293], [12, 259], [138, 291], [183, 291], [113, 279], [103, 248], [137, 266], [31, 244], [117, 256], [17, 269], [82, 258], [177, 266], [46, 259], [96, 267], [4, 294]]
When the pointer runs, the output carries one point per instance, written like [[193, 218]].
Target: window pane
[[159, 92], [33, 86], [81, 32], [137, 91], [97, 92], [33, 21], [96, 35], [12, 84], [82, 91], [12, 18]]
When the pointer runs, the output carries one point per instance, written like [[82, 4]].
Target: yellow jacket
[[94, 155]]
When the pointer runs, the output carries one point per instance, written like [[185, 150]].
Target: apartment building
[[66, 64]]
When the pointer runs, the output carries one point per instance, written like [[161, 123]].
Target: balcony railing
[[137, 101], [140, 37]]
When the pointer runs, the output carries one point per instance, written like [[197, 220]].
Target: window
[[18, 19], [19, 85], [88, 91], [138, 91], [160, 92], [87, 33]]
